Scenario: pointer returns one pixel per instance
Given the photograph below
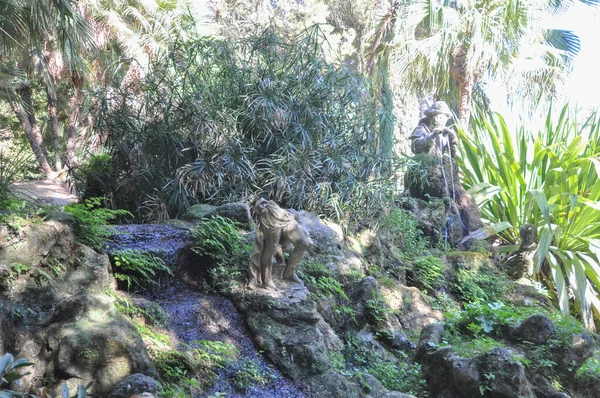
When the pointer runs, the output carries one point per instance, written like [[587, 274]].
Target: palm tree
[[447, 47], [34, 30]]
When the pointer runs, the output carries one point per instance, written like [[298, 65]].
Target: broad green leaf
[[5, 362], [561, 287]]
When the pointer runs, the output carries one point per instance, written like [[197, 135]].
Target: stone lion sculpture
[[276, 229]]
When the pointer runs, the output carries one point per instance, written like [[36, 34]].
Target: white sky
[[583, 86]]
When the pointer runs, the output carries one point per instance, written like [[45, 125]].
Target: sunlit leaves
[[548, 178]]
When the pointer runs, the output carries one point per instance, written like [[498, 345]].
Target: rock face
[[432, 178], [239, 212], [536, 329], [294, 336], [135, 384], [89, 340]]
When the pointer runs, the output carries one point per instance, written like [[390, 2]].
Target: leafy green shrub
[[138, 268], [91, 221], [13, 165], [216, 119], [192, 370], [548, 178], [405, 376], [378, 312], [95, 177], [220, 239], [405, 227], [429, 272]]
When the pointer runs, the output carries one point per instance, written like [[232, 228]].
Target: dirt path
[[45, 191]]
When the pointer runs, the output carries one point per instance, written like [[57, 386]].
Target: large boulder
[[89, 340], [536, 329], [135, 384]]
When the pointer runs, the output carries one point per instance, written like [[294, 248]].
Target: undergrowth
[[138, 269], [220, 239], [91, 221]]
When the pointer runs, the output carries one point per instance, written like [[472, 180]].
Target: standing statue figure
[[431, 135], [434, 173], [276, 229]]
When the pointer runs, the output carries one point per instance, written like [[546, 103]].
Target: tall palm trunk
[[24, 112], [74, 118], [466, 98], [53, 117]]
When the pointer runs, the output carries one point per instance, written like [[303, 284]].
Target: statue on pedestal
[[276, 229], [434, 172]]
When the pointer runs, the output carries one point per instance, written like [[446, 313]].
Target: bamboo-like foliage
[[548, 178], [216, 121]]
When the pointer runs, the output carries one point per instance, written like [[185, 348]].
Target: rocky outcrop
[[136, 384], [88, 340]]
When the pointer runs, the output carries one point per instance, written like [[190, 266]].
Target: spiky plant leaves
[[218, 121], [548, 178]]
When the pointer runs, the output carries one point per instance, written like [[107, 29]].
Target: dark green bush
[[216, 121]]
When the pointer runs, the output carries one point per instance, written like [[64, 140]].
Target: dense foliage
[[216, 121], [548, 178]]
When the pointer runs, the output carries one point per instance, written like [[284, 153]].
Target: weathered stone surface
[[89, 340], [416, 313], [536, 329], [198, 212], [509, 375], [238, 212], [430, 338], [326, 239], [572, 357], [36, 242], [135, 384]]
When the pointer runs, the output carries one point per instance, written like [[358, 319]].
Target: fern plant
[[220, 239], [137, 268], [91, 221]]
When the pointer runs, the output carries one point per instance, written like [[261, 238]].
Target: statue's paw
[[293, 278], [270, 286]]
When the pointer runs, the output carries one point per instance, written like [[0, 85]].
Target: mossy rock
[[424, 177], [469, 261], [89, 340], [198, 212]]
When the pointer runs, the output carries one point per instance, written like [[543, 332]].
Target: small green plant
[[9, 373], [137, 268], [248, 373], [429, 272], [405, 229], [12, 166], [220, 239], [402, 375], [91, 221], [378, 311]]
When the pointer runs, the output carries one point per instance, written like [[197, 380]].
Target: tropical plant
[[548, 178], [445, 48], [9, 373], [218, 121], [220, 239], [91, 220], [138, 268]]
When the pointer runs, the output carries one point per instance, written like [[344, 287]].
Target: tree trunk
[[32, 132], [386, 116], [74, 118], [53, 116], [466, 98]]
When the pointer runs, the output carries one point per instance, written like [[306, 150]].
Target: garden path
[[48, 192]]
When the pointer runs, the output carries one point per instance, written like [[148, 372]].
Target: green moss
[[429, 272]]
